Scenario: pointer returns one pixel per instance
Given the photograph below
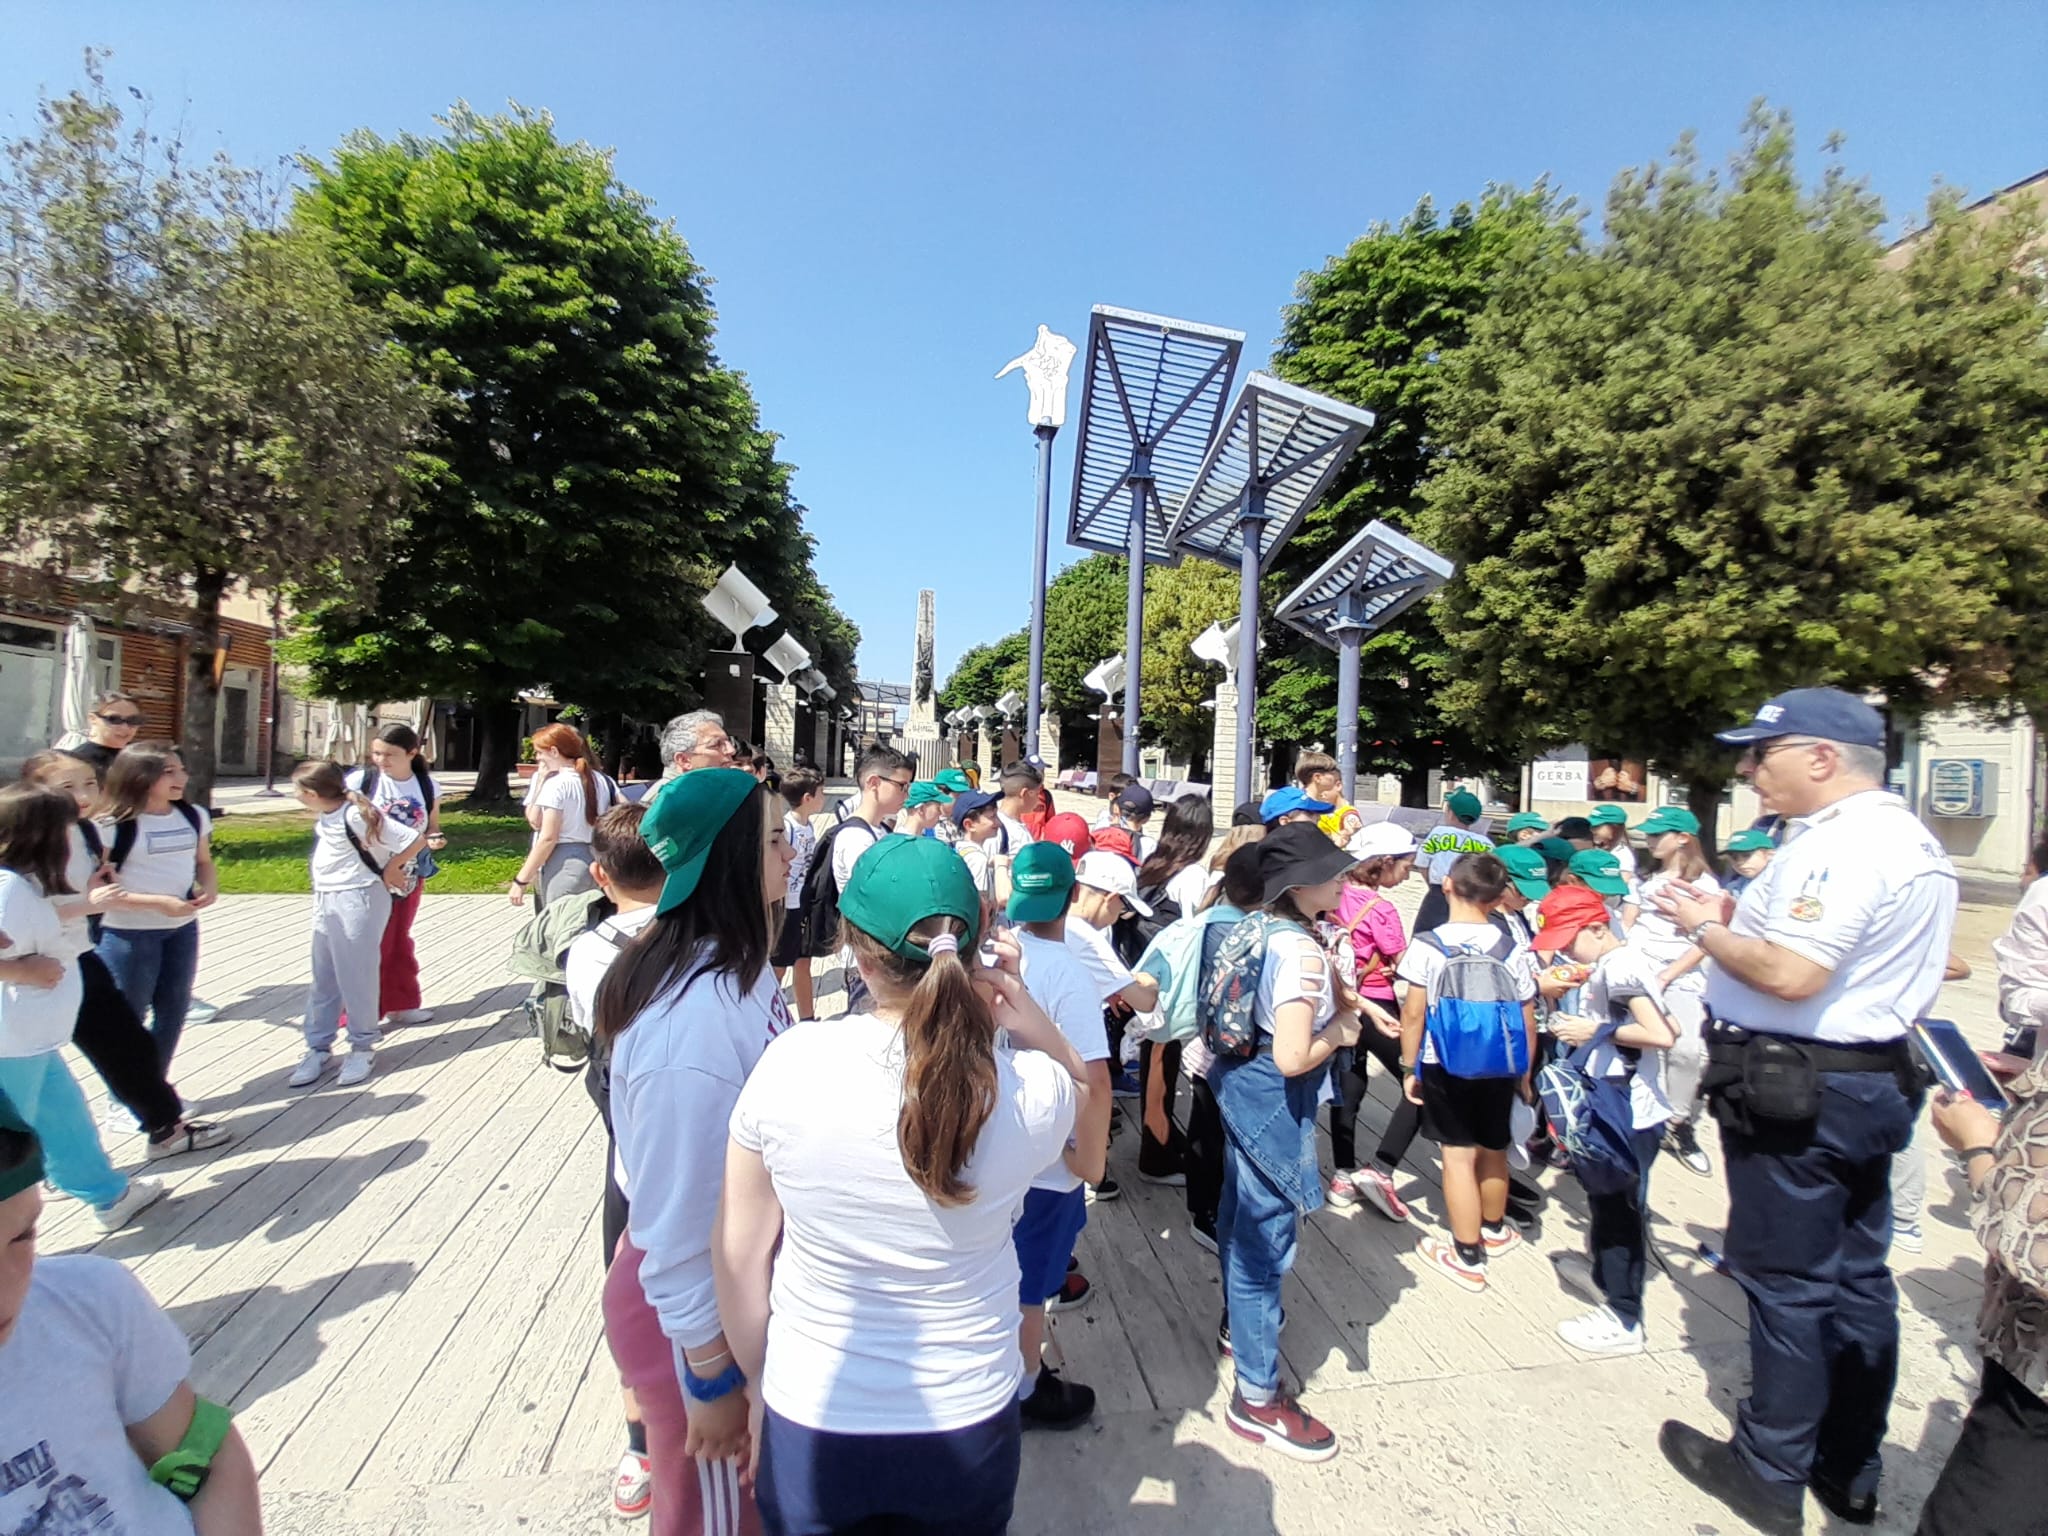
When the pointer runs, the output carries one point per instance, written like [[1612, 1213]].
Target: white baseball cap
[[1383, 840], [1104, 871]]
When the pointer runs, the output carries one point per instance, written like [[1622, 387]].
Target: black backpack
[[820, 907]]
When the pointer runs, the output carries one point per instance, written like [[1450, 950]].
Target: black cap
[[1247, 815], [1299, 854], [1135, 799]]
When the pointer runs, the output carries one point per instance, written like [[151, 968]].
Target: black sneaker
[[1683, 1143], [1056, 1404], [1849, 1508], [1106, 1191], [1074, 1291], [1204, 1233], [1711, 1466]]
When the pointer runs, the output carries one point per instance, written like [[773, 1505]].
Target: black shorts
[[789, 941], [1467, 1111]]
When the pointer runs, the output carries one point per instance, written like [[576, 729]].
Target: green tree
[[984, 673], [1726, 451], [189, 397], [1180, 602], [592, 467], [1084, 627], [1374, 327]]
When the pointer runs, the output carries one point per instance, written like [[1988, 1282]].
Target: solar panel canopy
[[1364, 586], [1152, 398]]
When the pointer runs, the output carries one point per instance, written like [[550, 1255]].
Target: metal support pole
[[1134, 617], [270, 789], [1350, 640], [1252, 529], [1046, 432]]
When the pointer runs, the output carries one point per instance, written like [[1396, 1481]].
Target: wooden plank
[[593, 1431]]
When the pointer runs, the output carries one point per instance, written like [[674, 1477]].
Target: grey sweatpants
[[348, 935], [566, 872]]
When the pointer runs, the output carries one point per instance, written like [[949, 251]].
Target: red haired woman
[[569, 792]]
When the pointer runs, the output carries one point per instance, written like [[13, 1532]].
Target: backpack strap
[[362, 853], [94, 843], [125, 833], [190, 813], [370, 778]]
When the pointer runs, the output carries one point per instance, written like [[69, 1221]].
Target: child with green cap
[[1055, 1211], [1448, 842], [925, 805], [873, 1169], [1525, 827], [1748, 852], [686, 1011], [1610, 833]]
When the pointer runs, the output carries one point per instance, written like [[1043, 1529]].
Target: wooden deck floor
[[396, 1287]]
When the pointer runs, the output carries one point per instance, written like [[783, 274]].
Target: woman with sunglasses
[[115, 720]]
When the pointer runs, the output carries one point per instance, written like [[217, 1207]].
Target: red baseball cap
[[1567, 912], [1070, 832]]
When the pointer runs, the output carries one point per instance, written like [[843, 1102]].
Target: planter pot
[[528, 770]]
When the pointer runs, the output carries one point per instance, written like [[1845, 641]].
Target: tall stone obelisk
[[921, 734]]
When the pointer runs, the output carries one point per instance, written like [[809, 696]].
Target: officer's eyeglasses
[[1753, 759]]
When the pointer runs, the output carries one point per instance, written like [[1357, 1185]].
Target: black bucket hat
[[1299, 854]]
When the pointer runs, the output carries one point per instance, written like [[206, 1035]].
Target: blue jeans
[[47, 1097], [1256, 1227], [958, 1482], [1809, 1226], [154, 968], [1618, 1237]]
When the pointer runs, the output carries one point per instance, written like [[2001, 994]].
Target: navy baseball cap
[[1136, 800], [1826, 713], [974, 800]]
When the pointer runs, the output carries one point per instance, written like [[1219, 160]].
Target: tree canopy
[[592, 467], [189, 395], [1729, 450]]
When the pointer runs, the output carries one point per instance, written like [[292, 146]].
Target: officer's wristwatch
[[1700, 928]]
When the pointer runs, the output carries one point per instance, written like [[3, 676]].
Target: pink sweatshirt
[[1377, 935]]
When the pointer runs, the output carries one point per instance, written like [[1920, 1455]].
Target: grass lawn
[[266, 855]]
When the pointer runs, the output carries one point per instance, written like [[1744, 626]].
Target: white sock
[[1029, 1384]]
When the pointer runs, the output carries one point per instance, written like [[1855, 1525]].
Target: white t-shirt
[[89, 1355], [163, 862], [592, 954], [1865, 891], [981, 864], [1622, 974], [404, 798], [1015, 833], [1656, 933], [803, 842], [1188, 888], [1447, 844], [677, 1071], [1091, 946], [79, 869], [35, 1020], [1296, 970], [890, 1313], [1421, 960], [336, 864], [853, 839], [564, 792], [1059, 985]]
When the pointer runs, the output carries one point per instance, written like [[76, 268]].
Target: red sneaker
[[1282, 1425]]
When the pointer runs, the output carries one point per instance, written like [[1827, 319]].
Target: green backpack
[[539, 951]]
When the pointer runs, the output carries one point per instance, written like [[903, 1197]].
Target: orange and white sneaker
[[633, 1486], [1443, 1258]]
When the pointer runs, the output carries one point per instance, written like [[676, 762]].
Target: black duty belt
[[1877, 1056]]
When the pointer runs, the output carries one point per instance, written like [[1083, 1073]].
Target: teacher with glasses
[[115, 720]]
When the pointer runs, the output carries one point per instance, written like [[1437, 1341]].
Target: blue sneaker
[[1125, 1084]]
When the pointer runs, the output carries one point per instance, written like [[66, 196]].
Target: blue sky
[[892, 196]]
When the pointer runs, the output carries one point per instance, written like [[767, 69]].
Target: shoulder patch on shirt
[[1805, 909]]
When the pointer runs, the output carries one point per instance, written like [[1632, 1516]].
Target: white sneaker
[[308, 1071], [1575, 1273], [138, 1197], [1600, 1332], [1909, 1238], [410, 1016], [355, 1066], [632, 1486]]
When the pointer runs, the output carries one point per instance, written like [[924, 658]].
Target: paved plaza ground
[[397, 1289]]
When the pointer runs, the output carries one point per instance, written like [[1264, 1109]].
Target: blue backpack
[[1592, 1118], [1475, 1017]]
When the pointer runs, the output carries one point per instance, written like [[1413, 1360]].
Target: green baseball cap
[[1041, 874], [684, 816], [1754, 840], [27, 1173], [1607, 816], [899, 883], [926, 792], [1527, 869], [1673, 818], [1555, 849], [1600, 870], [953, 781], [1527, 821], [1464, 805]]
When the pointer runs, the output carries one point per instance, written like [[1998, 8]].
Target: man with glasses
[[883, 777], [695, 740], [1813, 976], [115, 720]]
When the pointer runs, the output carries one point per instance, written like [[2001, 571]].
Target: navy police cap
[[1826, 713]]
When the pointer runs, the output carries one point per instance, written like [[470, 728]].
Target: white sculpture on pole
[[1045, 370]]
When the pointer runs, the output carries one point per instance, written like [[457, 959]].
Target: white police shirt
[[1864, 890]]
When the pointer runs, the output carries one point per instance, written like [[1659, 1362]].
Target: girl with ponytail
[[866, 1273], [568, 794], [396, 781]]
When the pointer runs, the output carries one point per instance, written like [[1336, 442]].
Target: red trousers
[[398, 975]]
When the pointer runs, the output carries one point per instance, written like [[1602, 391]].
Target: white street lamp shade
[[738, 604], [1214, 647], [1108, 678], [787, 657], [1010, 703], [1045, 370]]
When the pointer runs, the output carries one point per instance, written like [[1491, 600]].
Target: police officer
[[1813, 978]]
